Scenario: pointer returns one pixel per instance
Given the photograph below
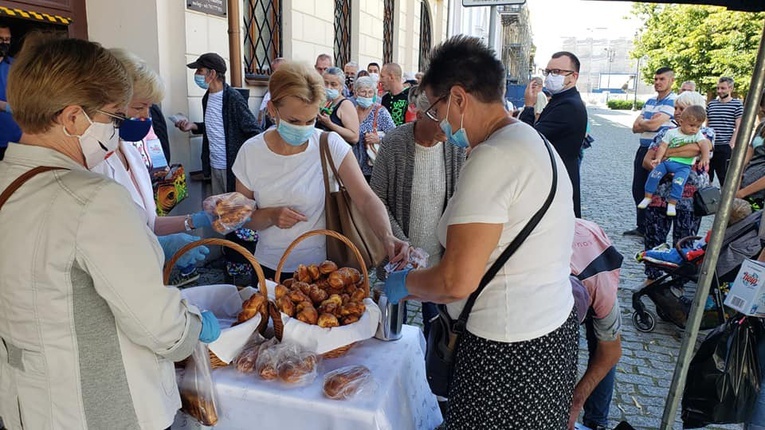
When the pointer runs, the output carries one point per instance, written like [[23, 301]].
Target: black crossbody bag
[[445, 333]]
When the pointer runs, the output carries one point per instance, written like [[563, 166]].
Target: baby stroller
[[742, 240]]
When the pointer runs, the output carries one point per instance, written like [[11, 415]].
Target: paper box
[[747, 294]]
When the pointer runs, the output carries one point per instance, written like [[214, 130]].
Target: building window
[[342, 32], [263, 37], [425, 36], [388, 29]]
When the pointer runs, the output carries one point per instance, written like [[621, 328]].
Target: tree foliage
[[701, 43]]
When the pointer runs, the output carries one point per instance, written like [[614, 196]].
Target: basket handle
[[222, 242], [332, 234]]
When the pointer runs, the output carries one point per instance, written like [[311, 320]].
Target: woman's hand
[[324, 119], [284, 217], [371, 138], [397, 250], [186, 125]]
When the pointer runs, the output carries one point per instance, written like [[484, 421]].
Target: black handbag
[[706, 200], [445, 333]]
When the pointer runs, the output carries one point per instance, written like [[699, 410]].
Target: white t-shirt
[[216, 134], [295, 181], [505, 181]]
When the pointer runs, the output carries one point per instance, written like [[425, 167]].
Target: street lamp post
[[610, 54]]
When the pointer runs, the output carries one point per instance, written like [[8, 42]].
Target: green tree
[[701, 43]]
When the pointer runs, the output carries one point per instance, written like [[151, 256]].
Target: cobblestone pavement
[[645, 371]]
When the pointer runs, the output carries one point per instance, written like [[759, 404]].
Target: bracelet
[[187, 223]]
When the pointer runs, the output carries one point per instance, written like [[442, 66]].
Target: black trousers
[[639, 176], [572, 167], [719, 163]]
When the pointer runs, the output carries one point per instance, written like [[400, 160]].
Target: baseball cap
[[210, 61]]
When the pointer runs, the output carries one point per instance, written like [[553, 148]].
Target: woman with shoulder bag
[[374, 120], [516, 361]]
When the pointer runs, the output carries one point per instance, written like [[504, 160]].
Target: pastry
[[350, 319], [336, 280], [317, 295], [327, 267], [359, 295], [295, 370], [344, 383], [298, 296], [280, 291], [313, 271], [328, 307], [288, 282], [343, 277], [251, 307], [333, 298], [286, 306], [302, 274], [268, 372], [308, 314], [328, 320], [202, 409]]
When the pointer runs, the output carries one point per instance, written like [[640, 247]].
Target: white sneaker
[[644, 203], [671, 211]]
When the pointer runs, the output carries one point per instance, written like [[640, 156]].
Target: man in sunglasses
[[564, 120]]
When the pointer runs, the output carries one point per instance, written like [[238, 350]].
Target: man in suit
[[564, 120]]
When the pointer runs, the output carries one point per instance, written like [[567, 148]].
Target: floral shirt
[[384, 123], [695, 180]]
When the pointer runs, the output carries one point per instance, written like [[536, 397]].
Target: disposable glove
[[395, 286], [173, 242], [210, 328], [201, 219]]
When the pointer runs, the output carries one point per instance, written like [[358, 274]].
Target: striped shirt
[[722, 116], [653, 107], [216, 134]]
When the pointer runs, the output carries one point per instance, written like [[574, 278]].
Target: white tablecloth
[[401, 401]]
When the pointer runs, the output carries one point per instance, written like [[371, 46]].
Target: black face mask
[[4, 49]]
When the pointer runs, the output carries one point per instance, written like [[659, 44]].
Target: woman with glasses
[[374, 123], [516, 362], [88, 332], [337, 115], [281, 170]]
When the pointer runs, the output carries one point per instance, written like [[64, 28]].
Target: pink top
[[597, 264]]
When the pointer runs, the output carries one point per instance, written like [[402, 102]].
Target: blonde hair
[[740, 209], [51, 73], [146, 83], [294, 79]]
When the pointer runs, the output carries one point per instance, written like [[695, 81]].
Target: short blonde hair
[[294, 79], [51, 73], [690, 98], [146, 83]]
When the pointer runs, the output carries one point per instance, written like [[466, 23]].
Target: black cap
[[210, 61]]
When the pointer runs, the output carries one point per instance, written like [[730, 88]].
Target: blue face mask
[[332, 94], [294, 135], [757, 142], [365, 102], [200, 81], [134, 129], [458, 139]]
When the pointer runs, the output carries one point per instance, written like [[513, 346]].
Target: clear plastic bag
[[228, 212], [348, 382], [197, 390], [288, 363], [246, 360], [417, 259]]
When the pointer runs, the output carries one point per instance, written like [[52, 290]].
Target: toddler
[[690, 122]]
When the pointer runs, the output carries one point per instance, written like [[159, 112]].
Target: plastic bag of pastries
[[196, 388], [229, 211], [245, 361], [297, 368], [348, 382]]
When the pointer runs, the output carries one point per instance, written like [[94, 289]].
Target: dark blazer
[[239, 124], [160, 129]]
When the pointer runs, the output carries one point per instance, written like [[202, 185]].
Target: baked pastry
[[327, 267], [333, 298], [288, 282], [286, 306], [298, 296], [313, 271], [308, 314], [302, 274], [281, 291], [359, 295], [328, 320], [328, 307], [296, 369], [202, 409], [350, 319], [346, 382], [317, 295], [251, 307], [268, 372], [343, 277]]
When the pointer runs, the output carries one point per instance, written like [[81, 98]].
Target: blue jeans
[[681, 172], [597, 405], [757, 420], [429, 310]]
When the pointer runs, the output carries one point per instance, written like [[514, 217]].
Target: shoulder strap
[[21, 180], [460, 324], [374, 120], [324, 152]]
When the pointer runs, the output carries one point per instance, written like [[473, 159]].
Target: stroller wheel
[[645, 323]]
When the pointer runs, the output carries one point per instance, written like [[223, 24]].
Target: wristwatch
[[187, 223]]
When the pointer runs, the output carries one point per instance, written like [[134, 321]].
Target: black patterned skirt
[[522, 385]]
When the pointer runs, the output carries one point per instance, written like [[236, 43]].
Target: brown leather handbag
[[343, 216]]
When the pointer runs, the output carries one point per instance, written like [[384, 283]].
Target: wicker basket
[[276, 313], [214, 360]]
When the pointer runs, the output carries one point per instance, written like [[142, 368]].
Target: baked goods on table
[[286, 362], [256, 304], [323, 295], [347, 382], [200, 408], [228, 211]]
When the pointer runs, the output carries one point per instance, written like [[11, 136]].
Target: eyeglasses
[[558, 72], [117, 119], [429, 111]]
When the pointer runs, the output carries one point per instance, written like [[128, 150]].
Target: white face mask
[[555, 83], [98, 142], [375, 76]]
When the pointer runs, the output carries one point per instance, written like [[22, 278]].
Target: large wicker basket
[[214, 360], [276, 314]]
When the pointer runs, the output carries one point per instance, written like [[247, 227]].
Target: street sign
[[212, 7], [470, 3]]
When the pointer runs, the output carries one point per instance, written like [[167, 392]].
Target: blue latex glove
[[171, 243], [201, 219], [210, 328], [395, 286]]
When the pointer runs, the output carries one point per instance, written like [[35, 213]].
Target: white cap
[[409, 76]]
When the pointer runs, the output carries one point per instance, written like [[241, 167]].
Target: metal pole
[[637, 79], [718, 231], [234, 44], [492, 27]]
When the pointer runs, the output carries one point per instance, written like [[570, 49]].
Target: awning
[[35, 16]]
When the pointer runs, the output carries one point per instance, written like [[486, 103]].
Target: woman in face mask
[[88, 332], [336, 115], [374, 122], [129, 163], [281, 170]]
